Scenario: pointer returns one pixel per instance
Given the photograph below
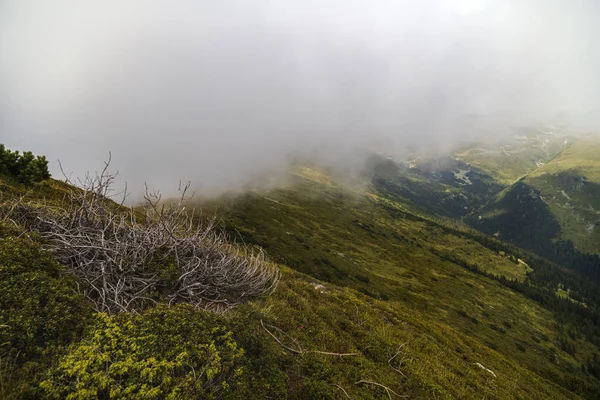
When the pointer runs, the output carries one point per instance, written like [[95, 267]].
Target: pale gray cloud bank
[[215, 91]]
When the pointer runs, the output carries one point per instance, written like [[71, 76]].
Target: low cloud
[[216, 92]]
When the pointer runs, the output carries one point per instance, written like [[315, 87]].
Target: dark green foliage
[[497, 328], [586, 320], [521, 346], [566, 345], [38, 307], [524, 204], [40, 313], [432, 187], [546, 276], [25, 168], [592, 366], [537, 230]]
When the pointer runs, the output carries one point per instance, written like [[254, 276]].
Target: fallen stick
[[303, 351], [342, 389], [387, 389]]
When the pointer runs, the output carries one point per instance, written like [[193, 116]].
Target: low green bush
[[40, 313], [165, 353], [25, 168], [38, 306]]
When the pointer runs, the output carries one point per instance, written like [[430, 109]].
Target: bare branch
[[300, 350], [279, 341], [342, 389], [387, 389], [397, 369], [129, 258]]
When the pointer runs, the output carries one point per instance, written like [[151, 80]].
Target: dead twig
[[279, 341], [300, 350], [397, 369], [129, 258], [342, 389], [387, 389], [332, 354]]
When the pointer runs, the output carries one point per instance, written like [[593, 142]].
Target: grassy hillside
[[375, 301], [570, 186], [556, 206], [511, 158], [368, 243], [445, 186], [460, 183]]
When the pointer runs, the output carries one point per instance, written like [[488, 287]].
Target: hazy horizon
[[216, 92]]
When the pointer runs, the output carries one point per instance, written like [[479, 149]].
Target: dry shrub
[[129, 258]]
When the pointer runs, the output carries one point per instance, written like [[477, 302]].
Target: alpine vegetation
[[25, 168], [130, 258]]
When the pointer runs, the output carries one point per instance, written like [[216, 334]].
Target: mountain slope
[[460, 182], [369, 243], [539, 189], [443, 186], [512, 157], [554, 210], [432, 358], [374, 300], [568, 187]]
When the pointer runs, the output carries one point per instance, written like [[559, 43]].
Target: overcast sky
[[215, 91]]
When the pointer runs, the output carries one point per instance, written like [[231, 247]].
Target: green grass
[[514, 157], [360, 275], [350, 240], [570, 185], [504, 169], [40, 312], [439, 362], [582, 158]]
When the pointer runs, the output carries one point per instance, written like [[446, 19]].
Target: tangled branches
[[129, 258]]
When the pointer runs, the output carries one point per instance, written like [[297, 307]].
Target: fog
[[217, 91]]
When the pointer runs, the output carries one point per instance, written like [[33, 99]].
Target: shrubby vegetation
[[25, 168], [40, 313], [165, 353], [439, 312], [581, 308], [423, 264], [130, 258], [37, 305], [537, 230]]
